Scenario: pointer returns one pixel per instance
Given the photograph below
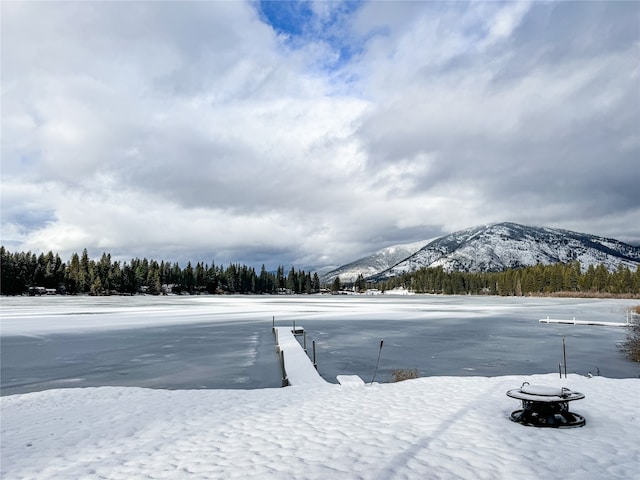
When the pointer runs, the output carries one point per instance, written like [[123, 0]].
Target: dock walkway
[[298, 369], [583, 322]]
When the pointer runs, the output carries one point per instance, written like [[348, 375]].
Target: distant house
[[33, 291]]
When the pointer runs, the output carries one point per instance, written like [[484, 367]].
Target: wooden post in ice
[[275, 331], [304, 336], [315, 365], [273, 323]]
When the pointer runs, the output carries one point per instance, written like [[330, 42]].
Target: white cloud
[[506, 21]]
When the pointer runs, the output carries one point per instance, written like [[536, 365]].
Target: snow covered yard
[[429, 428]]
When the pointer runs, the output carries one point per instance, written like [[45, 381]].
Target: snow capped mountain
[[374, 263], [499, 246]]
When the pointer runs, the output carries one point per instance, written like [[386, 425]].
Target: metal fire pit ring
[[544, 406]]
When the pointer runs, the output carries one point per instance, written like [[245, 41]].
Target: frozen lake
[[226, 341]]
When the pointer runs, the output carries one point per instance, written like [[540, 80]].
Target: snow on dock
[[583, 322], [297, 367]]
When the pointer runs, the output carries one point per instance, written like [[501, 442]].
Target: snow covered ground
[[429, 428]]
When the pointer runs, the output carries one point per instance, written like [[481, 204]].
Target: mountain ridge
[[497, 247], [375, 263]]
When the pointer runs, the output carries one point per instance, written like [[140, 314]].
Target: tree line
[[82, 275], [535, 280], [22, 271]]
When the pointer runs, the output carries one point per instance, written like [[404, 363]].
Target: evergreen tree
[[292, 281], [265, 285], [175, 277], [212, 279], [115, 277], [600, 279], [588, 279], [200, 277], [280, 277], [188, 278], [96, 287], [315, 283], [83, 276]]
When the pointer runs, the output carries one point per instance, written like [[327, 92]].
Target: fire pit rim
[[544, 394]]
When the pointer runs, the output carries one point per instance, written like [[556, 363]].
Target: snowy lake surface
[[182, 342]]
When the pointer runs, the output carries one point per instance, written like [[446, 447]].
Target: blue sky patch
[[301, 25], [289, 18]]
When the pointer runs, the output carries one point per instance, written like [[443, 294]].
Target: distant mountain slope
[[505, 245], [489, 248], [375, 263]]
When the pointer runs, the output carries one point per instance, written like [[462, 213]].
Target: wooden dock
[[297, 368], [583, 322]]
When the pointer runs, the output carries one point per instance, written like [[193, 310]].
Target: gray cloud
[[561, 130], [198, 131]]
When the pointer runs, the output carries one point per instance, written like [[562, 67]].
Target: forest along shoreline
[[25, 272]]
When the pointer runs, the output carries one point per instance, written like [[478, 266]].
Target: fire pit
[[544, 406]]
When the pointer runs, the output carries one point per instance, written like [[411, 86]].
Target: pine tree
[[96, 287], [188, 278], [212, 279], [600, 279], [83, 277], [280, 277], [586, 280], [292, 281]]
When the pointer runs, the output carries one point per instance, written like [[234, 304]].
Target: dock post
[[275, 330], [304, 336], [564, 354], [285, 379], [315, 365], [273, 323]]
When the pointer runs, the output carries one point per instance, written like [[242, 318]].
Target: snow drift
[[429, 428]]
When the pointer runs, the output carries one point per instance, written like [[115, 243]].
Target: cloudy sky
[[313, 133]]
